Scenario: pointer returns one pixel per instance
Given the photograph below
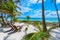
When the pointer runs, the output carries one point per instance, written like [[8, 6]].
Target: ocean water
[[40, 19]]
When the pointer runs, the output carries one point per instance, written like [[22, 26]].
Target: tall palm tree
[[43, 17], [54, 1]]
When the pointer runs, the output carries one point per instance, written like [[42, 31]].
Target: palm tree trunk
[[43, 17], [3, 22], [57, 14], [2, 13]]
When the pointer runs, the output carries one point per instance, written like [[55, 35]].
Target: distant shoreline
[[40, 19]]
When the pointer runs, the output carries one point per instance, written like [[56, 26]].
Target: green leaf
[[35, 36], [27, 37]]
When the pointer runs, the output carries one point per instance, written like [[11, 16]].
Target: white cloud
[[48, 14], [58, 1], [24, 9], [37, 14], [34, 2], [51, 14]]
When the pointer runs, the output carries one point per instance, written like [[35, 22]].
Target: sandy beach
[[16, 35], [55, 33]]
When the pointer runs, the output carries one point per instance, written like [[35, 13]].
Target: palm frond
[[27, 37], [35, 36], [18, 7]]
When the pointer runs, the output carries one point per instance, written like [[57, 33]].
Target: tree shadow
[[1, 30], [12, 32], [6, 37]]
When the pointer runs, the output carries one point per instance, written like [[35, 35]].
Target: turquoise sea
[[40, 19]]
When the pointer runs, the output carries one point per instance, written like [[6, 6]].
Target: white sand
[[55, 33], [17, 35]]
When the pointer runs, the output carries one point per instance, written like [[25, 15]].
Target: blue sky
[[33, 9]]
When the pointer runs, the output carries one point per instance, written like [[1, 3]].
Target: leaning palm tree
[[10, 9], [54, 1], [5, 11]]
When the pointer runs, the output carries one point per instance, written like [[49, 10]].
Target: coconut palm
[[7, 8], [54, 1], [4, 11], [43, 16], [27, 18], [10, 9]]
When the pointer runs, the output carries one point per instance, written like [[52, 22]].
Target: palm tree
[[54, 1], [11, 3], [43, 17], [28, 17], [9, 8]]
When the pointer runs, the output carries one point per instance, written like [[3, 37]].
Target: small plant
[[38, 35]]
